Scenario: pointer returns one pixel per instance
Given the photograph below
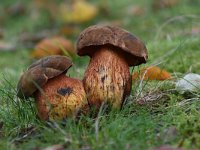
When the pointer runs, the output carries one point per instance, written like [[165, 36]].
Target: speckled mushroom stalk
[[112, 51], [57, 96], [60, 97], [107, 78]]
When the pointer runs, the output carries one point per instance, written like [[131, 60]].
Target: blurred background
[[32, 29], [28, 29]]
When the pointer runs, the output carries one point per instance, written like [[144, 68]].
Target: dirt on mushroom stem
[[107, 78], [61, 97]]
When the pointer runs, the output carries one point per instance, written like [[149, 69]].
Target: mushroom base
[[61, 97], [107, 78]]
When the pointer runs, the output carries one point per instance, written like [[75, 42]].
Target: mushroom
[[57, 96], [112, 50]]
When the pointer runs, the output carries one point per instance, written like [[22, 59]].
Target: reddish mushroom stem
[[107, 78], [61, 97]]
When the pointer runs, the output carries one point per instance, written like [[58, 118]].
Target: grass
[[172, 118]]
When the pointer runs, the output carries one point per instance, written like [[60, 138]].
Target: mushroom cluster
[[107, 78]]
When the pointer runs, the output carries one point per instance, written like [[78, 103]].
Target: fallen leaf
[[80, 11], [160, 4], [151, 97], [53, 46], [151, 73], [190, 82]]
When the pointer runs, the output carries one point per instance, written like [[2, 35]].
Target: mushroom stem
[[61, 97], [107, 78]]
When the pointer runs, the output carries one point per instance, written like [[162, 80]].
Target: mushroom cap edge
[[102, 35], [40, 72]]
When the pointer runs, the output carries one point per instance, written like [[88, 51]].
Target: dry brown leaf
[[152, 97], [53, 46], [151, 73], [160, 4]]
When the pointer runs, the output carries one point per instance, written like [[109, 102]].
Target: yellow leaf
[[80, 11]]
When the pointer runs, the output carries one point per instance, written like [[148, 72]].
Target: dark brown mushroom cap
[[40, 72], [98, 35]]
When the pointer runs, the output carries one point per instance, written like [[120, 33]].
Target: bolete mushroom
[[57, 96], [112, 51]]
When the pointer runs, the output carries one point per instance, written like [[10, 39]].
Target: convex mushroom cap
[[102, 35], [40, 72]]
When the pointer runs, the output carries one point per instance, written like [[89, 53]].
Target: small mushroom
[[112, 51], [57, 96]]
